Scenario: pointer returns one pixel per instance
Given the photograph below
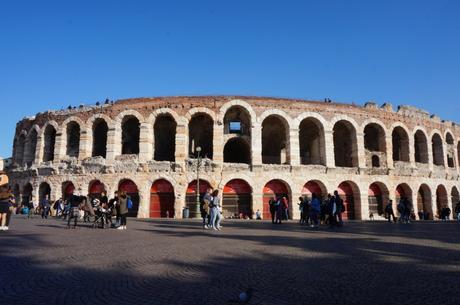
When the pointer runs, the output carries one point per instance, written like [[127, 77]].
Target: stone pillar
[[444, 155], [389, 152], [60, 146], [146, 142], [179, 204], [329, 149], [456, 161], [257, 201], [39, 150], [113, 143], [363, 205], [295, 212], [256, 139], [360, 150], [430, 155], [434, 207], [85, 144], [414, 202], [294, 148], [181, 143], [218, 143], [144, 202], [412, 151]]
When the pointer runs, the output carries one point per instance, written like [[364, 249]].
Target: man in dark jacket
[[389, 211], [340, 208]]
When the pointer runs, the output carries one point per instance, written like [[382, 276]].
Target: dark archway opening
[[165, 138], [274, 141], [31, 147], [50, 142], [237, 150], [345, 146], [100, 130], [73, 139], [200, 130], [438, 152], [421, 147], [311, 140], [400, 141], [130, 136]]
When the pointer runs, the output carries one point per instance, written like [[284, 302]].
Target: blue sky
[[56, 53]]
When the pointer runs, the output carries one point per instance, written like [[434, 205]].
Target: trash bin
[[185, 213]]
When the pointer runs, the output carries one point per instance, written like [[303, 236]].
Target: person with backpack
[[123, 204], [45, 206], [74, 212], [389, 211]]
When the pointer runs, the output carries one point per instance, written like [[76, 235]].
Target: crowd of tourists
[[314, 211]]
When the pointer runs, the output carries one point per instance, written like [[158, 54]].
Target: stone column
[[256, 139], [179, 204], [85, 144], [329, 149], [38, 158], [295, 212], [434, 207], [364, 205], [60, 146], [181, 152], [294, 148], [444, 156], [430, 155], [146, 142], [257, 202], [360, 150], [456, 161], [144, 202], [113, 143], [411, 151], [218, 143], [414, 202], [389, 152]]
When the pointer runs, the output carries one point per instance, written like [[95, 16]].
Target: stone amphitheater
[[250, 148]]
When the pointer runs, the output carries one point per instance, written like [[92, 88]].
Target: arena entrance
[[96, 188], [190, 197], [130, 188], [377, 195], [237, 200], [67, 190], [162, 199], [314, 187], [345, 191], [272, 190]]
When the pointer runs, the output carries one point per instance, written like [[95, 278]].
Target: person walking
[[58, 207], [315, 210], [112, 205], [389, 211], [217, 217], [278, 211], [457, 211], [5, 197], [123, 207], [11, 209], [301, 205], [206, 209], [74, 202], [340, 208], [45, 206], [407, 210], [285, 203], [401, 210], [272, 206]]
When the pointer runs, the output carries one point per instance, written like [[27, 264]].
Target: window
[[235, 127]]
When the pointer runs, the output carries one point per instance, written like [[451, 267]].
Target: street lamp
[[198, 164]]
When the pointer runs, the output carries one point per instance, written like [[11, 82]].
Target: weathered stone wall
[[142, 170]]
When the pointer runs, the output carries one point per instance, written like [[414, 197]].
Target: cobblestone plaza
[[177, 262]]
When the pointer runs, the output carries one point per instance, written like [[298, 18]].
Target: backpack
[[129, 204]]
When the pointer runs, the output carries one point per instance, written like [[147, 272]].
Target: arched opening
[[96, 188], [311, 140], [403, 192], [273, 190], [441, 199], [237, 151], [349, 193], [130, 188], [27, 194], [73, 139], [200, 134], [314, 187], [400, 141], [237, 121], [274, 141], [130, 135], [162, 199], [450, 150], [345, 145], [190, 197], [424, 207], [421, 147], [100, 130], [438, 154], [374, 138], [378, 196], [68, 188], [165, 138], [43, 191], [375, 161], [50, 142], [31, 147], [237, 199], [455, 196], [20, 146]]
